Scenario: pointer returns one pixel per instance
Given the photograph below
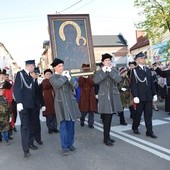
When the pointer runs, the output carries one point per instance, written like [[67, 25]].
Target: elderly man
[[143, 92], [24, 92]]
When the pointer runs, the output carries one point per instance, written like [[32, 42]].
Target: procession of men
[[28, 93]]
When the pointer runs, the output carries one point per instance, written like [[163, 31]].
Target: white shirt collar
[[141, 66], [26, 71]]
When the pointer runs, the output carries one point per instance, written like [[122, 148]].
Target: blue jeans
[[4, 135], [66, 133]]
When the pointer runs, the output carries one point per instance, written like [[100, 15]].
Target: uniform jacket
[[108, 95], [87, 101], [22, 94], [143, 90], [66, 107], [48, 95], [166, 74]]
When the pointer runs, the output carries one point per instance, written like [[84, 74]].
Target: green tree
[[156, 14]]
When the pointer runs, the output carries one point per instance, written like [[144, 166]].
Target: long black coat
[[143, 90], [22, 94], [39, 95], [165, 74]]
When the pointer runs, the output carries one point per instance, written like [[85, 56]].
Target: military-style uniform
[[24, 92], [142, 86]]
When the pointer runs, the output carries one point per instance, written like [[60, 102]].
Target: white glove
[[123, 89], [85, 77], [10, 119], [108, 69], [43, 108], [39, 80], [19, 107], [104, 68], [64, 73], [136, 100], [96, 96], [67, 74], [155, 98]]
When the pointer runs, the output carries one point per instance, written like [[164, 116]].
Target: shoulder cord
[[23, 80], [138, 79]]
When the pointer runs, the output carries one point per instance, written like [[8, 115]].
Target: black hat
[[139, 55], [56, 61], [105, 56], [3, 71], [48, 70], [37, 70], [30, 62], [85, 67]]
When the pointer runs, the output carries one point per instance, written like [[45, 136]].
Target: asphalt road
[[130, 151]]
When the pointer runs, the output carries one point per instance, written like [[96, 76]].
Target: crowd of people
[[63, 99]]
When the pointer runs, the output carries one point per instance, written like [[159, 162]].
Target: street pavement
[[130, 151]]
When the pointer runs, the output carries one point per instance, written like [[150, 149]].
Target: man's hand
[[104, 68], [109, 69], [67, 74], [123, 89], [19, 107], [43, 108], [155, 98], [136, 100]]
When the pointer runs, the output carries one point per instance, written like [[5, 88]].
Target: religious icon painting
[[71, 41]]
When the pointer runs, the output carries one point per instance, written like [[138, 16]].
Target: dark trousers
[[145, 107], [121, 116], [90, 117], [107, 119], [51, 122], [132, 111], [27, 117], [14, 108], [37, 129]]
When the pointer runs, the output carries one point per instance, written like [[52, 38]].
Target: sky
[[24, 24]]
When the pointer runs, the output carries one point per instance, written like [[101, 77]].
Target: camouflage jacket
[[4, 114]]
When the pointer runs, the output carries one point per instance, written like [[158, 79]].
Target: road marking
[[117, 132], [156, 122], [167, 118]]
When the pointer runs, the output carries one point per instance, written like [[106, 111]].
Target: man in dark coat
[[143, 92], [165, 74], [66, 107], [39, 105], [109, 101], [24, 92]]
